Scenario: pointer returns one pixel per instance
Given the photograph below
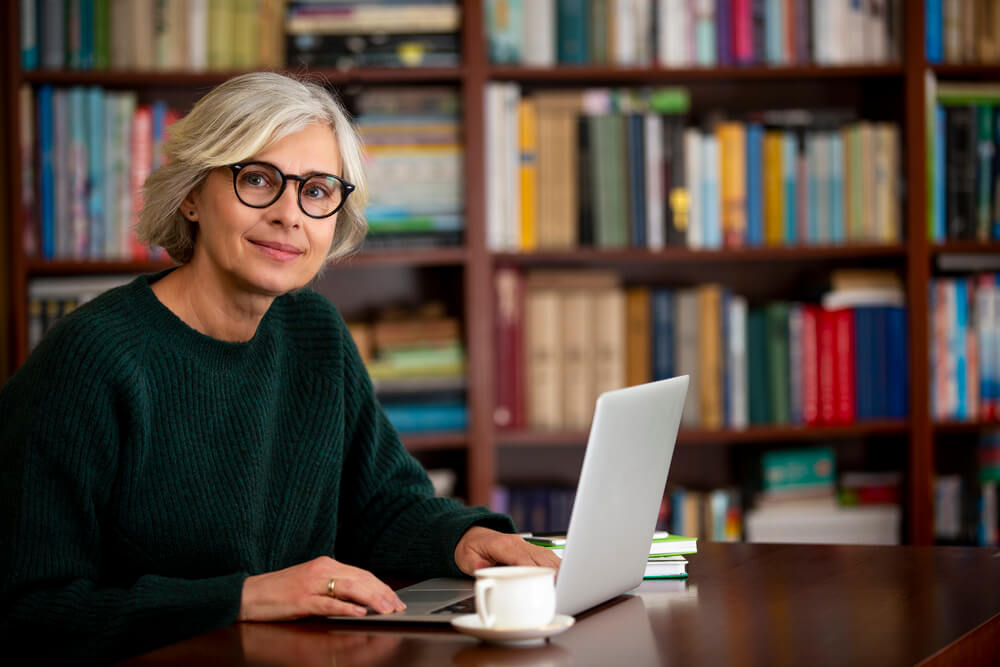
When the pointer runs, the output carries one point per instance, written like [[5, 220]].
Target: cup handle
[[483, 587]]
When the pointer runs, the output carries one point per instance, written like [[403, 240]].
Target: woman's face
[[273, 250]]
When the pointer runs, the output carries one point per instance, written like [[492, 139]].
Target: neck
[[210, 304]]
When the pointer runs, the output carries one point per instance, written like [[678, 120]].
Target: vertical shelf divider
[[921, 451], [481, 463]]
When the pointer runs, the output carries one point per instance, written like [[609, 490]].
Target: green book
[[777, 361], [663, 545], [757, 367]]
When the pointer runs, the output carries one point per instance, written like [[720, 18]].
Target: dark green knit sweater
[[146, 470]]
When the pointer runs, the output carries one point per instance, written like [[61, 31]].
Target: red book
[[810, 365], [142, 164], [508, 411], [827, 349], [845, 396], [742, 27]]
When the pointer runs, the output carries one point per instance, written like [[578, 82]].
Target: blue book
[[421, 418], [571, 32], [159, 126], [723, 34], [863, 363], [774, 24], [704, 39], [710, 204], [880, 363], [837, 233], [662, 305], [86, 34], [898, 375], [47, 205], [755, 184], [29, 34], [958, 346], [789, 161], [636, 177], [813, 233], [95, 171], [995, 231], [938, 185], [504, 31], [934, 20]]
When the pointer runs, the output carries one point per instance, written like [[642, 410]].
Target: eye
[[316, 190]]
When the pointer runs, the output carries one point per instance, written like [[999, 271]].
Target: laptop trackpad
[[442, 584]]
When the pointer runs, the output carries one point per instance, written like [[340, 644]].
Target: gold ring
[[330, 586]]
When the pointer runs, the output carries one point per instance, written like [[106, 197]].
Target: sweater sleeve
[[60, 425], [390, 522]]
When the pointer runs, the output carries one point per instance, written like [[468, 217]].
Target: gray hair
[[237, 119]]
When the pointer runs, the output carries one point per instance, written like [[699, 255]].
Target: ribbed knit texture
[[146, 470]]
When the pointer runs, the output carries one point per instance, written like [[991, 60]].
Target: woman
[[203, 445]]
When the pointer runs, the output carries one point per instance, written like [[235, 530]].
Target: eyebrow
[[308, 172]]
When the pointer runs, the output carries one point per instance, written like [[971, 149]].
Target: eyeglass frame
[[237, 167]]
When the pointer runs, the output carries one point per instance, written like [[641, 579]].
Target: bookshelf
[[893, 91]]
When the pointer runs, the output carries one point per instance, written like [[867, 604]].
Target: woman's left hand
[[481, 547]]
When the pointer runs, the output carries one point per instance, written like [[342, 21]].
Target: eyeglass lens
[[260, 185]]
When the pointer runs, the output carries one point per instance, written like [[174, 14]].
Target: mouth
[[276, 250]]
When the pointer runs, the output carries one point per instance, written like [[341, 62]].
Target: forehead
[[313, 149]]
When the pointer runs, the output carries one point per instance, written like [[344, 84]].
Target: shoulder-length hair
[[236, 120]]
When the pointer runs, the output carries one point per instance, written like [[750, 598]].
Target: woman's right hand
[[303, 590]]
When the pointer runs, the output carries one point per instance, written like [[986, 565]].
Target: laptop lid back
[[624, 473]]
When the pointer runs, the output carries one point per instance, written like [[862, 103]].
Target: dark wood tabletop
[[743, 604]]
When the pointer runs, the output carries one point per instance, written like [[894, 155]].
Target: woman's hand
[[303, 590], [482, 547]]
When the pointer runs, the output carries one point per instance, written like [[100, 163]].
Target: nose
[[285, 211]]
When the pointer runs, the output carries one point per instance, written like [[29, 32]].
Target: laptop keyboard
[[466, 606]]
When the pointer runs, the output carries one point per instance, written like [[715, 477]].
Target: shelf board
[[182, 79], [40, 267], [679, 255], [972, 72], [967, 247], [454, 256], [419, 257], [954, 426], [422, 442], [648, 75], [752, 435]]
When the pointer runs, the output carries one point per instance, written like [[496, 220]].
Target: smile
[[279, 251]]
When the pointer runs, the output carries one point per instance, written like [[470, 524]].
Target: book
[[666, 567], [663, 543]]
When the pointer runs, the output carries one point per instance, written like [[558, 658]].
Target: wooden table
[[743, 604]]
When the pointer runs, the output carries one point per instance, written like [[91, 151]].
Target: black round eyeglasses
[[260, 184]]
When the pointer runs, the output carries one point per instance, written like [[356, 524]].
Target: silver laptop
[[631, 443]]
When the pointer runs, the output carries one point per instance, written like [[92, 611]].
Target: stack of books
[[666, 552]]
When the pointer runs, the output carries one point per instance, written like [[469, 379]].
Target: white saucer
[[471, 624]]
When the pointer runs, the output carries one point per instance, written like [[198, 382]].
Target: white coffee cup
[[515, 597]]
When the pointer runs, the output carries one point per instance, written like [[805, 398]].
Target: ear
[[189, 207]]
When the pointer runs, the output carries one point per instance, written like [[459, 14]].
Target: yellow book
[[774, 197], [710, 355], [246, 34], [638, 350], [220, 30], [527, 117], [733, 182], [578, 353]]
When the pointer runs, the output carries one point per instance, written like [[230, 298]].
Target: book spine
[[571, 40], [846, 395]]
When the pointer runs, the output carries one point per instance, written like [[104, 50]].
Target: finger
[[324, 605], [545, 558], [367, 590]]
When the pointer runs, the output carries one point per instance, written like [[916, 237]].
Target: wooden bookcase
[[895, 91]]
